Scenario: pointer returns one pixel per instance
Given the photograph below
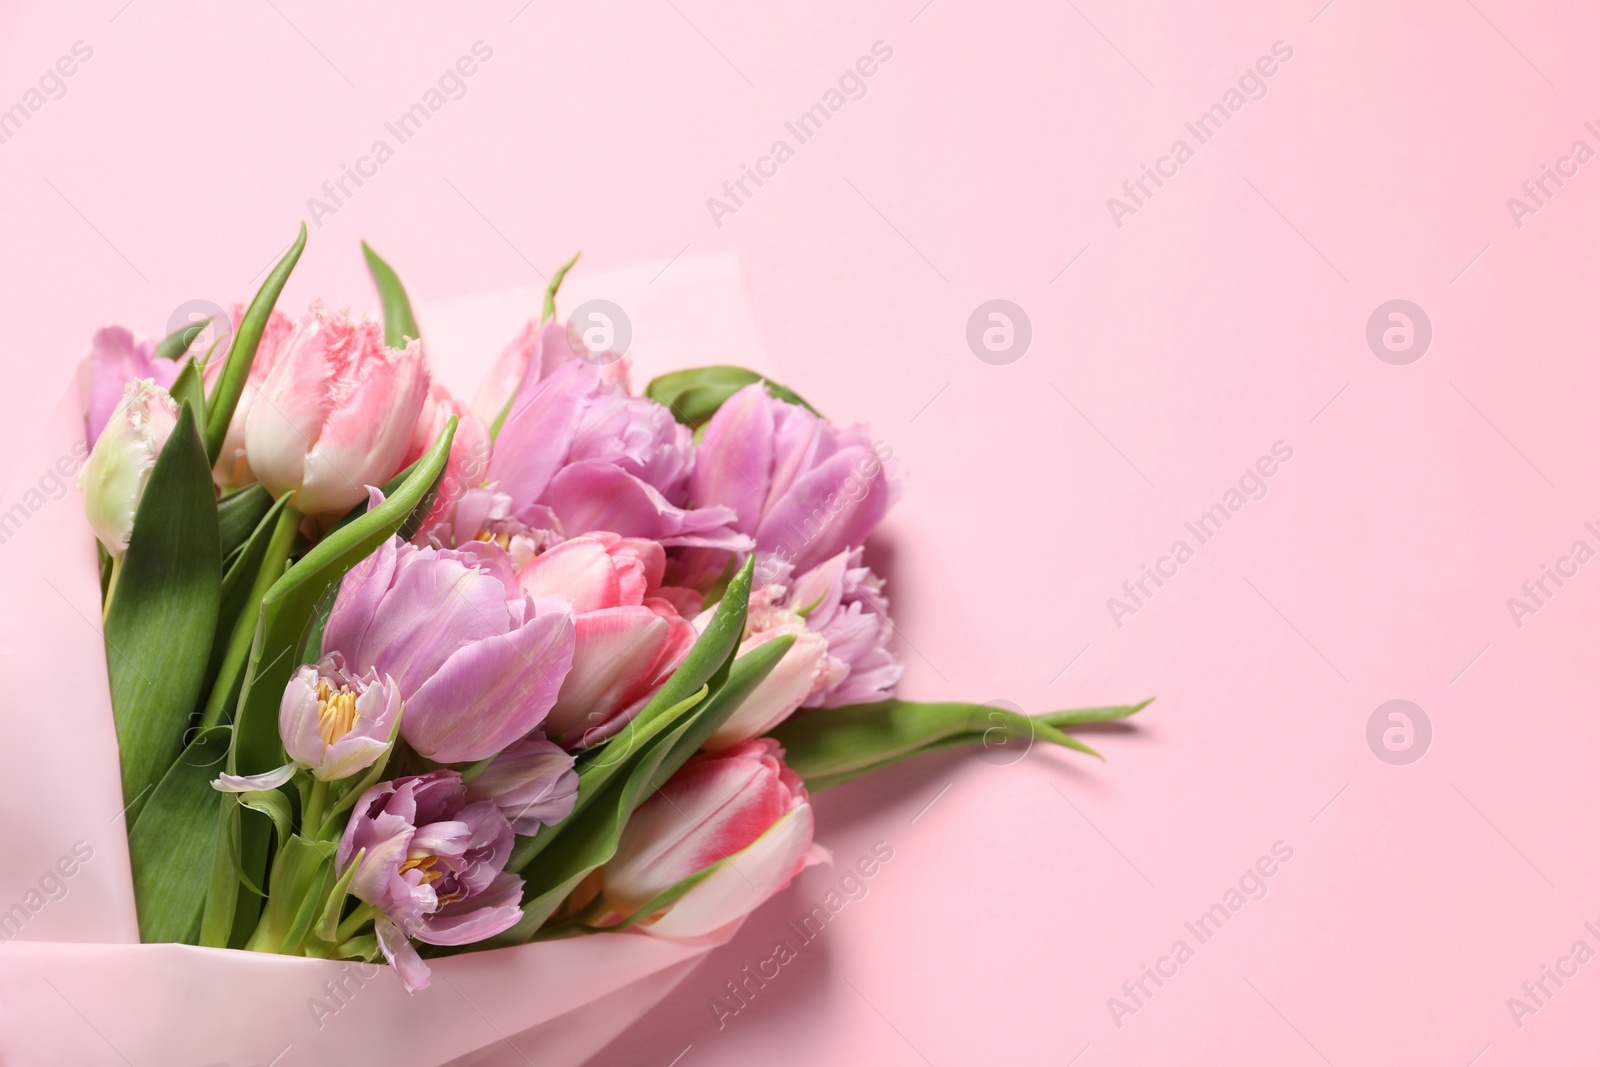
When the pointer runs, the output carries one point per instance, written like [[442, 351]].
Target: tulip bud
[[741, 808], [335, 722], [336, 414], [113, 479], [532, 783]]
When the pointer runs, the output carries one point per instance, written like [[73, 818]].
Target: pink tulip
[[476, 661], [630, 633], [115, 359], [118, 468], [533, 355], [336, 414], [577, 448], [336, 723], [232, 469], [803, 488], [844, 603], [801, 672], [433, 865], [741, 808]]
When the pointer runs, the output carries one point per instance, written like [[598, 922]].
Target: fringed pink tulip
[[336, 414], [742, 809], [630, 633], [232, 468], [477, 663], [803, 488], [432, 864]]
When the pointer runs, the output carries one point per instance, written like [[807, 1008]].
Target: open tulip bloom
[[569, 661]]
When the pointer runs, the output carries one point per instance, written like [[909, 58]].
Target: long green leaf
[[163, 611], [829, 747], [237, 581], [171, 845], [399, 324], [745, 673], [236, 370], [694, 395], [239, 514]]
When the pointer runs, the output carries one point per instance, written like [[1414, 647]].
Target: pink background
[[1227, 314]]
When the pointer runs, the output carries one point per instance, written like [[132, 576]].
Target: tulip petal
[[743, 883], [495, 909], [734, 464], [828, 509], [414, 974], [490, 692], [249, 783], [598, 495]]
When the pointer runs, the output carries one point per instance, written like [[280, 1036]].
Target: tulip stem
[[111, 586], [311, 821], [244, 631]]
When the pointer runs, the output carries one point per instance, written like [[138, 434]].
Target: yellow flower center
[[503, 539], [336, 711], [427, 863]]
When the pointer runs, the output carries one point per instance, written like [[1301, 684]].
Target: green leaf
[[273, 804], [560, 275], [171, 845], [829, 747], [746, 672], [693, 396], [236, 370], [237, 581], [399, 324], [189, 387], [239, 514], [175, 344], [163, 612], [222, 889], [288, 607], [328, 924]]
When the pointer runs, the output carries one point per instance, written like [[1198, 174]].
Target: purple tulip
[[115, 359], [477, 664], [577, 448], [532, 783], [844, 602], [803, 488], [334, 722], [433, 865]]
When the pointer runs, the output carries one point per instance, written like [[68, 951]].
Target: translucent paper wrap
[[77, 988]]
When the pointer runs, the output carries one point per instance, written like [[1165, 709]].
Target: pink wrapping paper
[[75, 985]]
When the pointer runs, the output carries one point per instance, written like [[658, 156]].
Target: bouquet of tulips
[[395, 677]]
